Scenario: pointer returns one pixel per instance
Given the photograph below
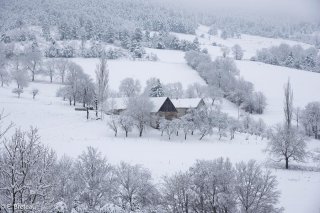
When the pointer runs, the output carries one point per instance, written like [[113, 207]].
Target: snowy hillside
[[166, 71]]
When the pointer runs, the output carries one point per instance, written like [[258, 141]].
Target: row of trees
[[206, 121], [203, 121], [221, 75], [294, 57], [32, 175], [232, 26]]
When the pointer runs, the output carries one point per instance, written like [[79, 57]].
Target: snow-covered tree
[[17, 91], [234, 125], [177, 193], [73, 81], [213, 186], [214, 93], [156, 89], [18, 72], [62, 68], [221, 123], [4, 74], [134, 189], [50, 69], [237, 52], [33, 60], [27, 168], [255, 189], [203, 119], [139, 108], [129, 87], [287, 144], [66, 189], [94, 179], [102, 83], [169, 127], [173, 90], [34, 92], [310, 119], [113, 123], [126, 123], [196, 90], [187, 125]]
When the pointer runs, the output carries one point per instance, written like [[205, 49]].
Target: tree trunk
[[87, 113], [287, 163], [185, 137]]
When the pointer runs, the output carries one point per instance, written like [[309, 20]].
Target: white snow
[[271, 79], [143, 70], [249, 43], [186, 102]]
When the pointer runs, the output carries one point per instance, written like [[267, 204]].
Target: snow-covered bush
[[17, 91]]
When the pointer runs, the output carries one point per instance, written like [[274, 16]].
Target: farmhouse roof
[[186, 102]]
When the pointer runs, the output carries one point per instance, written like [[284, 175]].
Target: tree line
[[33, 175], [221, 75], [293, 57]]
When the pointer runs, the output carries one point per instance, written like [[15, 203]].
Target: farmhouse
[[162, 107], [185, 104]]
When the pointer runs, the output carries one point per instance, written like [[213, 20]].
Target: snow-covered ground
[[249, 43], [166, 71], [68, 132], [270, 80]]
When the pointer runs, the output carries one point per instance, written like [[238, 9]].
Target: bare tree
[[177, 193], [213, 186], [256, 190], [102, 84], [287, 144], [74, 77], [113, 123], [139, 109], [26, 171], [237, 52], [50, 69], [126, 123], [134, 188], [62, 67], [18, 73], [17, 91], [129, 88], [93, 178], [173, 90], [34, 93], [33, 60]]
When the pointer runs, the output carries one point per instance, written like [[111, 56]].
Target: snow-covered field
[[249, 43], [167, 71], [68, 132]]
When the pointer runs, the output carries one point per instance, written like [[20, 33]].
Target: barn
[[162, 107], [184, 104]]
